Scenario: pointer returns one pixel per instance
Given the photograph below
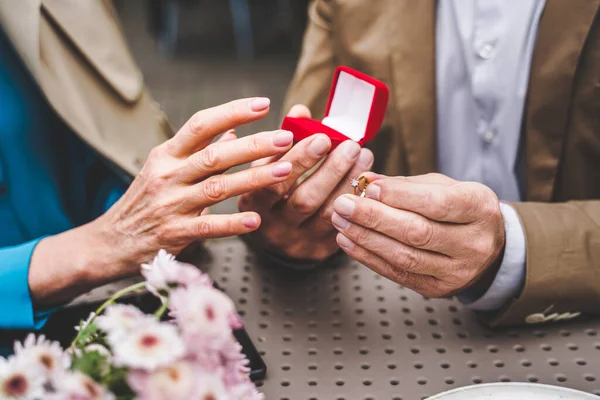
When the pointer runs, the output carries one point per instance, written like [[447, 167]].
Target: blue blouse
[[50, 181]]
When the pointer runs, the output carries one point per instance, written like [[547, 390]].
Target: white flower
[[119, 320], [165, 273], [46, 355], [77, 386], [205, 311], [20, 379], [150, 347], [209, 386], [175, 382]]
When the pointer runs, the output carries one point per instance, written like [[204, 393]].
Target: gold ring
[[359, 186]]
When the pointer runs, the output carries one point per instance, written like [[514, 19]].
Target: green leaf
[[116, 381], [91, 363]]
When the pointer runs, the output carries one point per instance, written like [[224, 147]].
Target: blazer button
[[535, 318]]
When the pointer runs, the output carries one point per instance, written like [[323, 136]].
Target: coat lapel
[[562, 32], [21, 23], [412, 52]]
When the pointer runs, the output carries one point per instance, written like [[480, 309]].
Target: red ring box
[[355, 110]]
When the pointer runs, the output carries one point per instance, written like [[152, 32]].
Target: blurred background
[[199, 53]]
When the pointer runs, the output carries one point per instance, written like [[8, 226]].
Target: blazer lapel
[[21, 22], [412, 52], [561, 36]]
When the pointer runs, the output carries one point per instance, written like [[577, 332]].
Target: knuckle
[[419, 233], [233, 111], [209, 158], [371, 216], [204, 228], [412, 259], [197, 123], [484, 246], [441, 205], [214, 189], [340, 166], [304, 203], [254, 145], [359, 234]]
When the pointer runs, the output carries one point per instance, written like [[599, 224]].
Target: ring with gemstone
[[359, 185]]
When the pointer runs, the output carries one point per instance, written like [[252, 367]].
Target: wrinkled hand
[[165, 206], [428, 233], [296, 217]]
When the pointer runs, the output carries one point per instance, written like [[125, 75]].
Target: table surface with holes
[[346, 333]]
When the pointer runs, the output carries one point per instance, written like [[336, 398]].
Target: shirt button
[[489, 136], [3, 189], [486, 51]]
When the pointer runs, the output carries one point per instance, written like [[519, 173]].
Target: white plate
[[513, 391]]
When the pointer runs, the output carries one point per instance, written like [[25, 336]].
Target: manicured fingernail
[[282, 169], [319, 146], [250, 222], [283, 138], [365, 159], [373, 191], [344, 242], [351, 149], [340, 222], [344, 206], [260, 104]]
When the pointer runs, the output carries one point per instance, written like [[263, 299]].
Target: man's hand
[[428, 233], [296, 218]]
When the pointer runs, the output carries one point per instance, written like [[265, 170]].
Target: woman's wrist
[[73, 262]]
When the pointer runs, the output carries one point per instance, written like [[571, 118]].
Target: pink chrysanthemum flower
[[204, 316], [48, 356], [175, 382], [150, 347], [165, 273], [77, 386], [119, 320], [210, 386], [234, 362]]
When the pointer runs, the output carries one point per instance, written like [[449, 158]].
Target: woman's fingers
[[201, 129], [223, 155], [217, 226], [220, 187]]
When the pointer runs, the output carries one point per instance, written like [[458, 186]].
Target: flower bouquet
[[122, 353]]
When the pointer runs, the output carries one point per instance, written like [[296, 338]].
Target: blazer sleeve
[[314, 71], [563, 263], [18, 311]]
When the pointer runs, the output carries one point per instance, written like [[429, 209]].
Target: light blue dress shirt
[[50, 181], [483, 59]]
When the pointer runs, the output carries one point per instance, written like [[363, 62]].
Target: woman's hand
[[162, 209]]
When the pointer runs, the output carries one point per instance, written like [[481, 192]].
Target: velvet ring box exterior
[[355, 110]]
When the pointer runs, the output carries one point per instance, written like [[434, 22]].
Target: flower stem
[[160, 312], [133, 288]]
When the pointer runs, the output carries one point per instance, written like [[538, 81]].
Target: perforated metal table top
[[346, 333]]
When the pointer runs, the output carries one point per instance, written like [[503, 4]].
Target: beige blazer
[[76, 52]]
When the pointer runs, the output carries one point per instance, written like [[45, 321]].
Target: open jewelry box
[[355, 110]]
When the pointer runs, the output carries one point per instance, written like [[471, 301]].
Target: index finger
[[201, 129], [438, 202]]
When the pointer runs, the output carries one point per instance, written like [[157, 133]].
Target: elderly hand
[[296, 217], [428, 233], [163, 208]]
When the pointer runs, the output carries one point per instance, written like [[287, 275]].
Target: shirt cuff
[[510, 278], [18, 311]]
